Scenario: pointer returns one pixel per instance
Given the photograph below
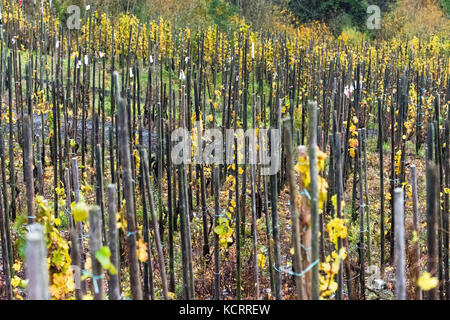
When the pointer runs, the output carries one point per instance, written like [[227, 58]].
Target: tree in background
[[419, 18], [339, 14], [113, 7], [446, 6], [264, 14]]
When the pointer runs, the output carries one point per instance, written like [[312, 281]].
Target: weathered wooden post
[[95, 243], [76, 264], [432, 185], [68, 197], [79, 225], [216, 236], [314, 192], [28, 169], [113, 284], [380, 147], [362, 205], [36, 264], [5, 249], [159, 248], [432, 224], [100, 191], [40, 167], [366, 195], [400, 278], [295, 216], [125, 160], [339, 196], [416, 246]]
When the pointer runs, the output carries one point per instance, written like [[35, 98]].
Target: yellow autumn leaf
[[334, 200], [15, 281], [80, 212], [353, 143], [142, 250], [261, 260], [16, 266], [352, 153], [426, 281]]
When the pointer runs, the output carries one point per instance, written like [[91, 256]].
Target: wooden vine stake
[[113, 283], [295, 216], [216, 236], [380, 147], [400, 277], [415, 246], [5, 249], [78, 255], [162, 266], [362, 206], [28, 168], [125, 160], [36, 264], [312, 108], [95, 243], [432, 224]]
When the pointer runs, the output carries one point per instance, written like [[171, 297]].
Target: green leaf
[[103, 256], [222, 220], [219, 229]]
